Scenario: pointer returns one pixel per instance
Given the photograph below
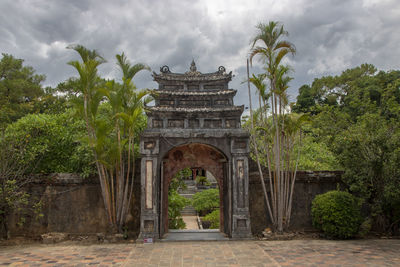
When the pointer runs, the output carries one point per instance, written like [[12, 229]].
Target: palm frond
[[87, 54]]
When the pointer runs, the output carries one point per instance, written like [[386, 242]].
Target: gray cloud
[[330, 36]]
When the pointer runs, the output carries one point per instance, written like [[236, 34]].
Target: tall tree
[[19, 87], [278, 129]]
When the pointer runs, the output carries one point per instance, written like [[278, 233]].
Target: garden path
[[191, 222]]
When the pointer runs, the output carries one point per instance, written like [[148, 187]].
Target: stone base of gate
[[241, 227], [148, 229]]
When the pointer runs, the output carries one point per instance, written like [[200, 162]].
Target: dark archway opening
[[200, 158]]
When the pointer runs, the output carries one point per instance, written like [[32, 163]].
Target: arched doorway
[[225, 157], [201, 156]]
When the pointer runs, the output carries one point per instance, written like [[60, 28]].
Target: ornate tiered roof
[[194, 100]]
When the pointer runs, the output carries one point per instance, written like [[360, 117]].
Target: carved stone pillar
[[240, 187], [149, 219]]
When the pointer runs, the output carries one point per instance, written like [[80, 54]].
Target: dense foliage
[[356, 115], [337, 214], [316, 155], [206, 201], [21, 92], [52, 143]]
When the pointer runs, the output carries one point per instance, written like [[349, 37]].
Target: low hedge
[[213, 219]]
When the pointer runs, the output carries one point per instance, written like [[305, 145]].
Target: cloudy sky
[[330, 36]]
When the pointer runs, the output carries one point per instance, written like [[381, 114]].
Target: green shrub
[[206, 201], [213, 218], [176, 203], [337, 214]]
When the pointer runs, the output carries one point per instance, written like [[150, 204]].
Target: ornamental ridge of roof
[[192, 74], [195, 110], [195, 93]]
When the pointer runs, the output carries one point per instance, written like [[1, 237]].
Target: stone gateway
[[194, 123]]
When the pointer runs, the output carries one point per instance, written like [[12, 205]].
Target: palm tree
[[258, 82], [127, 105], [271, 49], [88, 85], [131, 106], [113, 145]]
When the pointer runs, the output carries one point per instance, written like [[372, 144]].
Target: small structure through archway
[[194, 123]]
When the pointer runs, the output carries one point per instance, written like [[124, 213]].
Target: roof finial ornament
[[165, 69], [193, 66]]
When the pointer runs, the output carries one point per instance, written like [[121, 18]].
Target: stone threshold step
[[194, 231], [194, 235]]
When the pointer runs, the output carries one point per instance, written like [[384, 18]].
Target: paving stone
[[218, 253]]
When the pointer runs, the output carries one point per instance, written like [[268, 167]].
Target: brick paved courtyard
[[229, 253]]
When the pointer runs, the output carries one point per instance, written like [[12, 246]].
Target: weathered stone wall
[[71, 204], [308, 184]]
